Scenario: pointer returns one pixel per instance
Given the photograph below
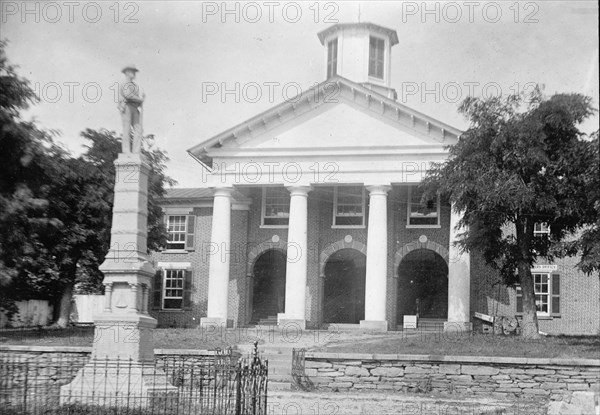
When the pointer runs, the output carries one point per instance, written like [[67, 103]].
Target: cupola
[[360, 52]]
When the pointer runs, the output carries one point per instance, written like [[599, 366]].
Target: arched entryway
[[344, 293], [422, 285], [268, 291]]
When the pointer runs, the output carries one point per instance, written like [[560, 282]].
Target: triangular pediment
[[335, 125], [337, 114]]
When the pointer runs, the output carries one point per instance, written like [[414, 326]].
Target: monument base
[[123, 337], [120, 383]]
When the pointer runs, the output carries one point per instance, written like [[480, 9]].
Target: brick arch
[[259, 249], [336, 246], [416, 244]]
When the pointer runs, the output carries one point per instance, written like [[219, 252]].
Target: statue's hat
[[130, 68]]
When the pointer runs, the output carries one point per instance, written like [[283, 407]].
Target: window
[[180, 231], [547, 294], [275, 206], [376, 51], [541, 228], [348, 206], [332, 47], [425, 214], [172, 289]]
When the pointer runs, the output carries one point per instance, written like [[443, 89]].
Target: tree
[[522, 161], [24, 153]]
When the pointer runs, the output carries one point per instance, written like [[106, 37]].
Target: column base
[[211, 322], [374, 325], [458, 326], [291, 323]]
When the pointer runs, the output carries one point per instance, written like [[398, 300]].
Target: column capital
[[378, 189], [222, 191], [299, 190]]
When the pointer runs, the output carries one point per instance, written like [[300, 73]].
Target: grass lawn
[[84, 336], [583, 347], [473, 344]]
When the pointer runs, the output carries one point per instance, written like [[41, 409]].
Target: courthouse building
[[310, 213]]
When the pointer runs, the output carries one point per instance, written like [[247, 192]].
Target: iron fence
[[58, 384]]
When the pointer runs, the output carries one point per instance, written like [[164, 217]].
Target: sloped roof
[[401, 114], [188, 193], [370, 26]]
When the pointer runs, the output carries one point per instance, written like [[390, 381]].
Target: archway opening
[[344, 296], [422, 285], [268, 292]]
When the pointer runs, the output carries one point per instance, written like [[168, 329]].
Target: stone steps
[[280, 363]]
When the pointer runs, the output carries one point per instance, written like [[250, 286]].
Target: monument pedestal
[[121, 371]]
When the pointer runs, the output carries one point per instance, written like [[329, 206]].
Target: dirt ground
[[317, 403]]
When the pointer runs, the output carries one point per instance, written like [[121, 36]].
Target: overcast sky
[[73, 54]]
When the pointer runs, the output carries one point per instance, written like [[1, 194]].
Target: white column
[[218, 271], [459, 282], [297, 258], [377, 248]]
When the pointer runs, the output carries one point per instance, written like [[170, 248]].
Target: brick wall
[[484, 375], [579, 297], [580, 294]]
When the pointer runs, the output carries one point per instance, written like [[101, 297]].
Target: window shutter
[[157, 290], [187, 290], [555, 311], [519, 300], [189, 236]]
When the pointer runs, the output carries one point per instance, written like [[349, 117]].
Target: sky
[[207, 66]]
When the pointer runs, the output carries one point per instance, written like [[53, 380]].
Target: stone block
[[356, 371], [563, 408], [539, 372], [535, 391], [416, 369], [461, 378], [578, 386], [585, 401], [525, 385], [309, 364], [388, 371], [479, 370], [449, 369], [365, 386]]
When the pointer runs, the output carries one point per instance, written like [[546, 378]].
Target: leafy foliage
[[522, 161]]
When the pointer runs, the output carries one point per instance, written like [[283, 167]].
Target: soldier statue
[[131, 99]]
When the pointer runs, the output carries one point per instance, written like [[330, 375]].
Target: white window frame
[[263, 214], [164, 296], [544, 229], [548, 292], [408, 211], [332, 61], [383, 71], [335, 209], [184, 232]]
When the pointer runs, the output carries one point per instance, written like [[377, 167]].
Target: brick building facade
[[310, 214]]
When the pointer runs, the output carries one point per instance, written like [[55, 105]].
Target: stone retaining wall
[[58, 365], [491, 376]]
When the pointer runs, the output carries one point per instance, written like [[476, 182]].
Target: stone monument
[[122, 361]]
